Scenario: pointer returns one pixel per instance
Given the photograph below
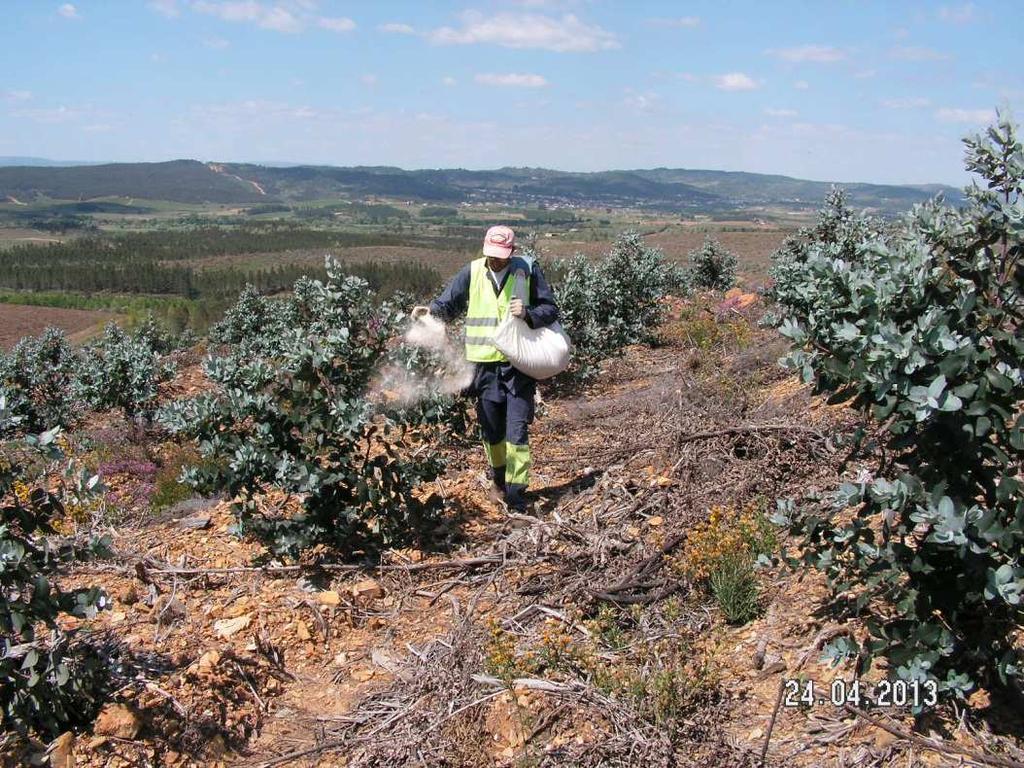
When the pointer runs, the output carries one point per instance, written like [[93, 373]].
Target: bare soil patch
[[19, 235], [19, 320]]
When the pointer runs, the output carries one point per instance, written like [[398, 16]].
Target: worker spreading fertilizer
[[511, 340], [448, 371]]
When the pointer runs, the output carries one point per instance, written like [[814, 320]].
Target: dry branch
[[932, 744], [744, 429], [463, 564]]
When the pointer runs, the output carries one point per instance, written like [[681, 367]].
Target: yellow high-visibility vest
[[487, 309]]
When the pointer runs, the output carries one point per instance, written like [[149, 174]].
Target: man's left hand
[[516, 308]]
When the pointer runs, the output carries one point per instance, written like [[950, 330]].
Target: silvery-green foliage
[[918, 325], [609, 304], [36, 380], [294, 413], [255, 323], [579, 293], [157, 337], [121, 370], [47, 680], [712, 266]]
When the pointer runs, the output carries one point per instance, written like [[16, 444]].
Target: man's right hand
[[420, 311]]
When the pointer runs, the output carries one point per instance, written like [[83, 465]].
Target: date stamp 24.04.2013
[[917, 694]]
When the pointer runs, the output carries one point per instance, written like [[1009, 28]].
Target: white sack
[[540, 353]]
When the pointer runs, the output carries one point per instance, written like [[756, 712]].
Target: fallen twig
[[771, 723], [636, 598], [530, 683], [472, 562], [640, 574], [746, 429], [932, 744]]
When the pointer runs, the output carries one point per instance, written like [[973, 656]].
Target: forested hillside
[[661, 188], [186, 181]]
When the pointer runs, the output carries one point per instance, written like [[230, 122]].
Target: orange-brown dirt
[[340, 667]]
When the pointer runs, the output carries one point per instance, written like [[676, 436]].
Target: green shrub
[[295, 412], [36, 380], [255, 322], [608, 305], [438, 212], [168, 490], [47, 680], [733, 582], [918, 325], [122, 370], [712, 266]]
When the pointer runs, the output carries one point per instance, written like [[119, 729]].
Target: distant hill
[[183, 181], [766, 189], [18, 160], [669, 189]]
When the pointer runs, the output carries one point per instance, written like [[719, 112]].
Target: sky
[[839, 91]]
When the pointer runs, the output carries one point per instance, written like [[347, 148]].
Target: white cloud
[[216, 43], [801, 85], [818, 54], [958, 14], [512, 79], [545, 3], [957, 115], [368, 80], [774, 112], [59, 114], [17, 96], [168, 8], [641, 102], [276, 17], [395, 28], [234, 10], [734, 81], [864, 74], [339, 24], [917, 53], [911, 102], [68, 11], [449, 81], [510, 30], [730, 81], [240, 113], [678, 22], [280, 20]]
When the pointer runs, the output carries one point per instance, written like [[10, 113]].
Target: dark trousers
[[504, 426]]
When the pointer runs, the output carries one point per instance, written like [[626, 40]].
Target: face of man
[[496, 265]]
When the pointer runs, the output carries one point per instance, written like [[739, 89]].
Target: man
[[487, 290]]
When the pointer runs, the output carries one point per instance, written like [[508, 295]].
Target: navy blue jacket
[[541, 310], [494, 380]]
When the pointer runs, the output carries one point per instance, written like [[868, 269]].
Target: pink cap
[[499, 242]]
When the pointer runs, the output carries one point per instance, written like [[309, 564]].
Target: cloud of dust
[[449, 374]]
